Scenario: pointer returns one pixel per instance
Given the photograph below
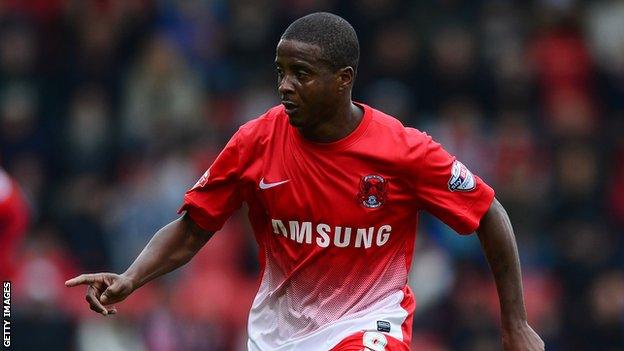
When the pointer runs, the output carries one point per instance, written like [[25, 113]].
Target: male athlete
[[334, 189]]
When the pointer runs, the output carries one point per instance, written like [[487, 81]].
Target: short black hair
[[333, 34]]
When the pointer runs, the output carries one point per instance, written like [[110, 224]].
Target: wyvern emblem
[[373, 191]]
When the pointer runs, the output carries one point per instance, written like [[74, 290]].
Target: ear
[[345, 78]]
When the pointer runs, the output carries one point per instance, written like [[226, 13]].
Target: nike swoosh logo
[[264, 185]]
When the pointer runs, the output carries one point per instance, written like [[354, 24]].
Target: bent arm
[[499, 245], [171, 247]]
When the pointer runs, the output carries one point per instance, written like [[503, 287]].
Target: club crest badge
[[373, 191], [461, 178]]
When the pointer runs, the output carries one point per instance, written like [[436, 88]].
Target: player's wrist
[[131, 279], [511, 323]]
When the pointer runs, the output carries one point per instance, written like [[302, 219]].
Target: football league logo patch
[[461, 178], [373, 191]]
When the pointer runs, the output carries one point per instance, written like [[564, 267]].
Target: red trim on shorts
[[409, 305]]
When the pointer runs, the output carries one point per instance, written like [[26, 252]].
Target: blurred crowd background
[[111, 109]]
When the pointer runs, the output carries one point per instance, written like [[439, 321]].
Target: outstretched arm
[[499, 245], [171, 247]]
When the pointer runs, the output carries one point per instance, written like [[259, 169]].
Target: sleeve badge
[[461, 178]]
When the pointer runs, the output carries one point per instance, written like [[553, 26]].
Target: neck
[[343, 121]]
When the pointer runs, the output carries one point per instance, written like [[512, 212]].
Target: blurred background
[[111, 109]]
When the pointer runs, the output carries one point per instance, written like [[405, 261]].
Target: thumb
[[111, 294]]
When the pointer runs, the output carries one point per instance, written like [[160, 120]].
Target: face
[[308, 87]]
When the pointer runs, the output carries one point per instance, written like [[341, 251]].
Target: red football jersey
[[335, 223]]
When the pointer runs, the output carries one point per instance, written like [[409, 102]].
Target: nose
[[285, 86]]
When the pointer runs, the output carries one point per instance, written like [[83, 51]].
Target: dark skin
[[318, 102], [317, 97], [499, 246]]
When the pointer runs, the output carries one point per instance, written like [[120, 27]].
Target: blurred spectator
[[519, 168], [566, 77], [576, 179], [163, 97], [89, 131], [607, 306], [14, 216], [432, 275], [20, 133], [79, 217], [40, 308]]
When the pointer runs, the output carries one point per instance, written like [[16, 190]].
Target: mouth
[[290, 107]]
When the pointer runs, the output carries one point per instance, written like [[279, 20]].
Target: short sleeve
[[446, 188], [217, 194]]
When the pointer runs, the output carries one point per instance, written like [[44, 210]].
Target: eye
[[301, 74]]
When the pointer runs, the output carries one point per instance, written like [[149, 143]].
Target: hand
[[104, 290], [522, 338]]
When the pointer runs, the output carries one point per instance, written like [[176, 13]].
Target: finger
[[108, 296], [83, 279], [109, 311], [94, 302]]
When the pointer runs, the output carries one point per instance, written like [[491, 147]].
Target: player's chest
[[342, 188]]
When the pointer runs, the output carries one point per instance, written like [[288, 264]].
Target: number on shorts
[[374, 341]]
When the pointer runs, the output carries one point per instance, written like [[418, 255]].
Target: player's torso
[[335, 228]]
